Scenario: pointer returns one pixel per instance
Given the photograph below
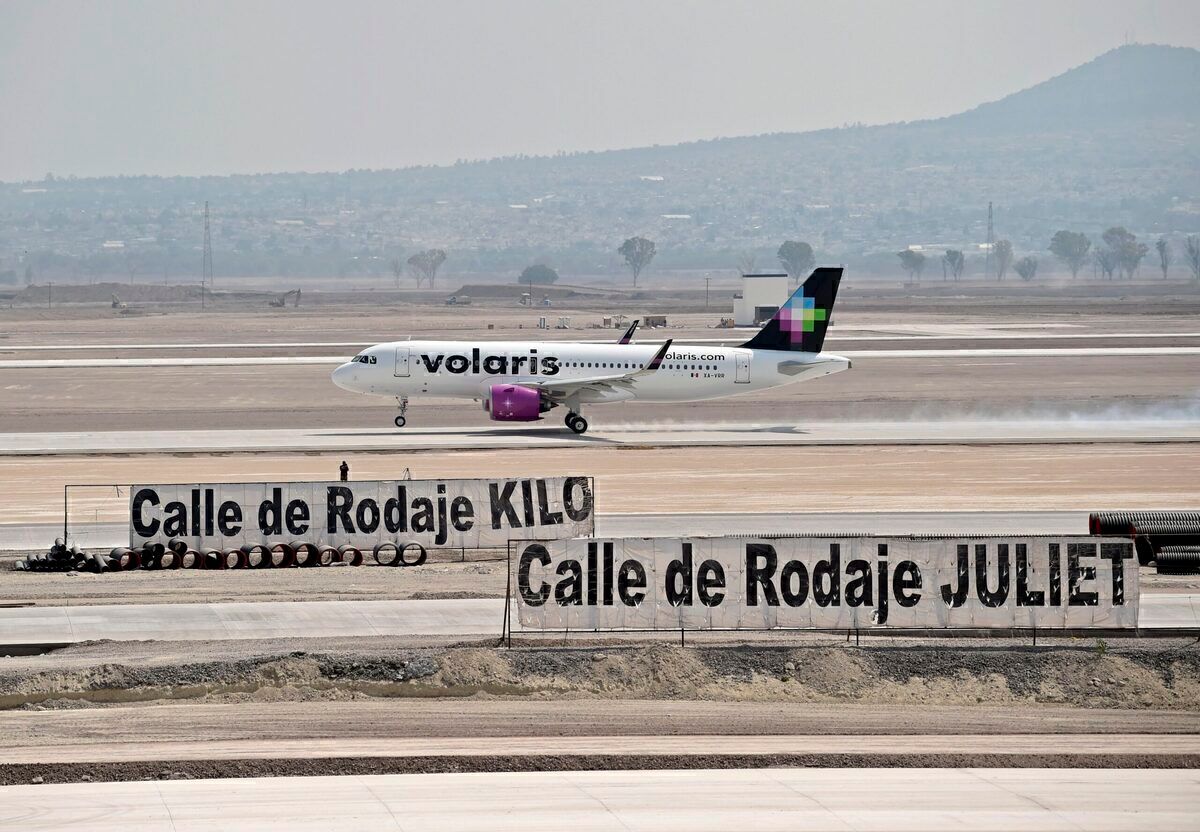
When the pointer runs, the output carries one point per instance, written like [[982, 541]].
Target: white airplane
[[520, 381]]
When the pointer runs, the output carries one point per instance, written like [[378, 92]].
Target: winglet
[[628, 336], [657, 360]]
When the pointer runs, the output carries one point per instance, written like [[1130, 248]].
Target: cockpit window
[[364, 359]]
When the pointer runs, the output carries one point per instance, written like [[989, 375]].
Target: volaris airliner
[[521, 381]]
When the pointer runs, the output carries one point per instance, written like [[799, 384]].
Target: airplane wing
[[559, 390], [628, 336]]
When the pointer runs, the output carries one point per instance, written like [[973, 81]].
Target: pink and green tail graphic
[[798, 316], [800, 323]]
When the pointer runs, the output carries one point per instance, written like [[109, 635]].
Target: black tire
[[578, 424], [400, 421]]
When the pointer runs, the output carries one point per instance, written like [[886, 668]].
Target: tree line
[[1119, 257]]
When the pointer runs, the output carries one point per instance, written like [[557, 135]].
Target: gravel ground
[[209, 769]]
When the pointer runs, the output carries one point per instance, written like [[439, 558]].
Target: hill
[[1136, 82], [1112, 142]]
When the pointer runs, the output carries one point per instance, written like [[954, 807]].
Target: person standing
[[344, 470]]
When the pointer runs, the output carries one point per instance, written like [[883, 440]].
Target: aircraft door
[[402, 362], [743, 368]]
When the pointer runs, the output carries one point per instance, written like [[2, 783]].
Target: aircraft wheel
[[400, 421], [577, 423]]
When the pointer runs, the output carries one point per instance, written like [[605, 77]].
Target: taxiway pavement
[[975, 800], [912, 432]]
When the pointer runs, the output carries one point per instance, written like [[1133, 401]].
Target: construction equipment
[[458, 300], [117, 303], [281, 301]]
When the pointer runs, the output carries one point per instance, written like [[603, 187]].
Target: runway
[[973, 800], [335, 360], [33, 537], [326, 619], [553, 435]]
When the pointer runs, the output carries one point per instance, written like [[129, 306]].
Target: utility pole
[[707, 281], [207, 275], [991, 238], [49, 294]]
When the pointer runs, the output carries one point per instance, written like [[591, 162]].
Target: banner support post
[[506, 626]]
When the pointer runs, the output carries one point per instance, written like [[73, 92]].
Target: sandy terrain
[[632, 479]]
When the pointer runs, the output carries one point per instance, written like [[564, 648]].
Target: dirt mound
[[104, 292], [1128, 675]]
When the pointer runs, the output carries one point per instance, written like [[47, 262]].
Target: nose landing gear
[[576, 422], [403, 402]]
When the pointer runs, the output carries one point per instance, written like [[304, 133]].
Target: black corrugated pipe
[[1178, 560], [1118, 522]]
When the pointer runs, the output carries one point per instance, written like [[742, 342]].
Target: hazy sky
[[94, 88]]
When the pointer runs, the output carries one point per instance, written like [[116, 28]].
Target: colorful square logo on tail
[[798, 316]]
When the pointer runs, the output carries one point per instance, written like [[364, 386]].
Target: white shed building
[[760, 298]]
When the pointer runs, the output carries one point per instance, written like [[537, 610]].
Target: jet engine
[[514, 403]]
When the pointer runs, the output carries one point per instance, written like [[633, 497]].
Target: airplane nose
[[343, 377]]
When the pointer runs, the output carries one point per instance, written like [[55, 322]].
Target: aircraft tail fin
[[800, 324], [628, 336]]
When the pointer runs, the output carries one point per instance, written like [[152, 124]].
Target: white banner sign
[[825, 583], [472, 514]]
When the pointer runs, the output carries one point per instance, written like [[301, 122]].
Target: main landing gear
[[576, 422], [403, 402]]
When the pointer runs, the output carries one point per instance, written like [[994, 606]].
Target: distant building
[[760, 298]]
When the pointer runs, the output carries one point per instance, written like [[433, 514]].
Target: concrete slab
[[303, 619], [973, 800], [203, 622]]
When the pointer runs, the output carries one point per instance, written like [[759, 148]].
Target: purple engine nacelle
[[514, 403]]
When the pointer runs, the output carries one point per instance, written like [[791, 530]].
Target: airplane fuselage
[[468, 369]]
